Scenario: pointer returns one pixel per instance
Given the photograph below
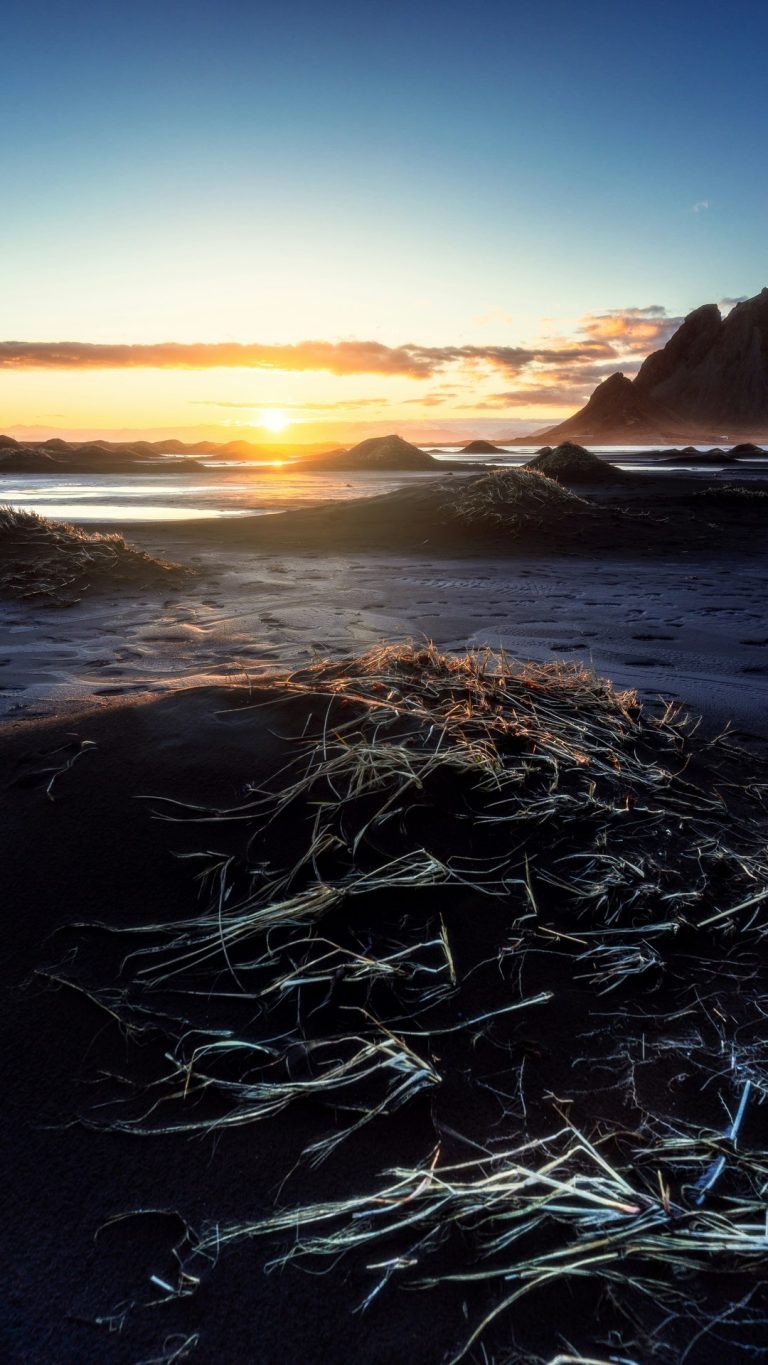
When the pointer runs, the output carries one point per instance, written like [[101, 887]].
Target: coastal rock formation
[[714, 370], [571, 463], [616, 412], [709, 381]]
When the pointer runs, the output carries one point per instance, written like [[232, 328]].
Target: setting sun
[[274, 420]]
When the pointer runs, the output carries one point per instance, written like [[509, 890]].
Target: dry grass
[[609, 1223], [362, 934], [509, 499], [731, 492], [57, 562]]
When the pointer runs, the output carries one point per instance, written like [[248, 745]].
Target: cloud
[[632, 329], [255, 405], [569, 387], [550, 395], [335, 357], [558, 371], [492, 317], [728, 304], [701, 206]]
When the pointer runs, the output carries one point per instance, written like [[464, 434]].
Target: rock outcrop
[[714, 370], [616, 412], [709, 383]]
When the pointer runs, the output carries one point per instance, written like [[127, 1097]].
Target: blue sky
[[440, 174]]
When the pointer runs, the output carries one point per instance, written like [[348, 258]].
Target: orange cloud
[[631, 329], [340, 357], [335, 357], [561, 371], [342, 405]]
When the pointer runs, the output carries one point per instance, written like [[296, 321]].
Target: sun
[[273, 419]]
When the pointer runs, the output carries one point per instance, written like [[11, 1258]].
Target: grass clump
[[732, 492], [510, 499], [473, 884], [57, 562]]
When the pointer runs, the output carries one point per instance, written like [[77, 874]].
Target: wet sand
[[688, 627]]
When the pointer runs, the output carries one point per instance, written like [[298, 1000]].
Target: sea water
[[234, 488]]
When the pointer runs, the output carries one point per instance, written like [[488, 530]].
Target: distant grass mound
[[480, 448], [509, 507], [571, 463], [378, 452], [58, 562]]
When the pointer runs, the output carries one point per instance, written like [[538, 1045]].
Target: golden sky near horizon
[[455, 219], [321, 390]]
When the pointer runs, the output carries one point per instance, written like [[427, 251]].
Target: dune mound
[[480, 448], [378, 452], [506, 506], [59, 457], [58, 562], [746, 448], [571, 463], [509, 499], [476, 916], [28, 460]]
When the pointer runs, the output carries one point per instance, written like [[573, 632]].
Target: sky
[[243, 218]]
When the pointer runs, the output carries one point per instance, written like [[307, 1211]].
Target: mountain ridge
[[708, 383]]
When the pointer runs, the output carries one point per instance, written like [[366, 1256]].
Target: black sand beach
[[144, 693], [666, 594], [383, 684]]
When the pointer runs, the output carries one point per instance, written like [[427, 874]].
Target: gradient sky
[[501, 184]]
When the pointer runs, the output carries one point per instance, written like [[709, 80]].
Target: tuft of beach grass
[[56, 563], [448, 820]]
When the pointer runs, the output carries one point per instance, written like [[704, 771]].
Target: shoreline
[[654, 585], [693, 629]]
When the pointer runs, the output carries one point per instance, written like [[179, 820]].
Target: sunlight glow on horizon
[[274, 420], [433, 260]]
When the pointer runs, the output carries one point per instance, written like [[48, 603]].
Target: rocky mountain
[[709, 383], [616, 412], [714, 370]]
